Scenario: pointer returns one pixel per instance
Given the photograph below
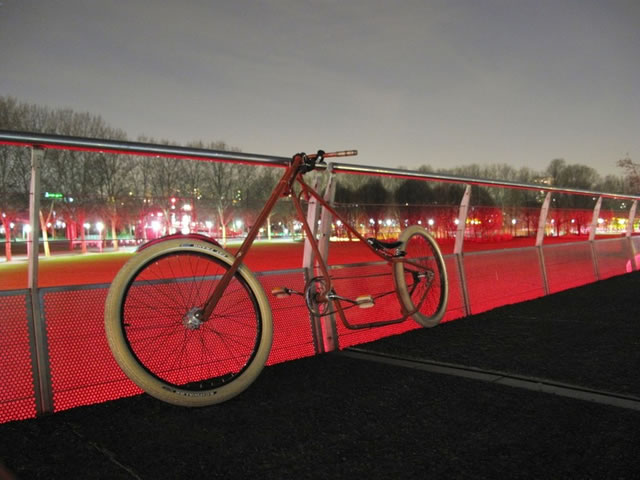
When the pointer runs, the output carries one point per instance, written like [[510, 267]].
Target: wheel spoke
[[187, 354]]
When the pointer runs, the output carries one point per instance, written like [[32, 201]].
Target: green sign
[[52, 195]]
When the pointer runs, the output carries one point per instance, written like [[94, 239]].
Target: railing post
[[308, 264], [632, 218], [324, 328], [37, 327], [463, 212], [325, 218], [542, 223], [313, 215], [592, 237], [328, 323], [632, 248]]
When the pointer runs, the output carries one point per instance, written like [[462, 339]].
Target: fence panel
[[17, 396], [496, 278], [568, 265], [612, 256], [83, 370]]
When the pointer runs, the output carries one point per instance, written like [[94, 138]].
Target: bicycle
[[190, 324]]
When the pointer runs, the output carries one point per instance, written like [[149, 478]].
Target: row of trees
[[125, 191], [120, 189]]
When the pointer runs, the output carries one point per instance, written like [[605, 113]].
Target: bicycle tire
[[420, 247], [176, 361]]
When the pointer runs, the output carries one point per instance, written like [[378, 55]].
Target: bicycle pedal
[[281, 292], [365, 301]]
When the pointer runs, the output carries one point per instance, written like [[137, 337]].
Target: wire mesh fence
[[52, 339], [82, 370]]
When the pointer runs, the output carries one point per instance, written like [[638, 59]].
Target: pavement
[[542, 389]]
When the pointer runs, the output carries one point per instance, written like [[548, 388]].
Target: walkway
[[542, 389]]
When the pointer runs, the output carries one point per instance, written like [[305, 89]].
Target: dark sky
[[443, 83]]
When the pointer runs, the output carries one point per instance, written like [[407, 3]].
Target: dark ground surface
[[334, 416]]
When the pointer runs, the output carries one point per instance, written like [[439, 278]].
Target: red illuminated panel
[[83, 370], [502, 277], [568, 266], [613, 256], [17, 399], [292, 335]]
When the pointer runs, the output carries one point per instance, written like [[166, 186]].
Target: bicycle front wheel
[[160, 342], [421, 277]]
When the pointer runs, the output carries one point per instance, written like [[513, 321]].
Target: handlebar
[[309, 161], [343, 153], [321, 155]]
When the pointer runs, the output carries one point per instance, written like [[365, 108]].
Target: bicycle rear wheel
[[159, 341], [421, 278]]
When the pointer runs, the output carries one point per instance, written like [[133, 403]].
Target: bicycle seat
[[379, 245]]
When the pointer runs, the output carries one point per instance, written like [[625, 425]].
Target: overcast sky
[[444, 83]]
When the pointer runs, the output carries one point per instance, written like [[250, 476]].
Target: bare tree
[[8, 201], [74, 173], [114, 174], [15, 171], [255, 194], [373, 197], [221, 182], [632, 171]]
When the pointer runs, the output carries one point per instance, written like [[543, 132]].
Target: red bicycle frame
[[294, 173]]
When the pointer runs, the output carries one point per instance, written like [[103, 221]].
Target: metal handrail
[[61, 142], [409, 174]]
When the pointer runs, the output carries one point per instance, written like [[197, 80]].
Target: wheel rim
[[162, 330], [425, 286]]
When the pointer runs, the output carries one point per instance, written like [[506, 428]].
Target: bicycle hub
[[193, 318]]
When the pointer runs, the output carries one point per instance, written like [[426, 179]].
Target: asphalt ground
[[548, 388]]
